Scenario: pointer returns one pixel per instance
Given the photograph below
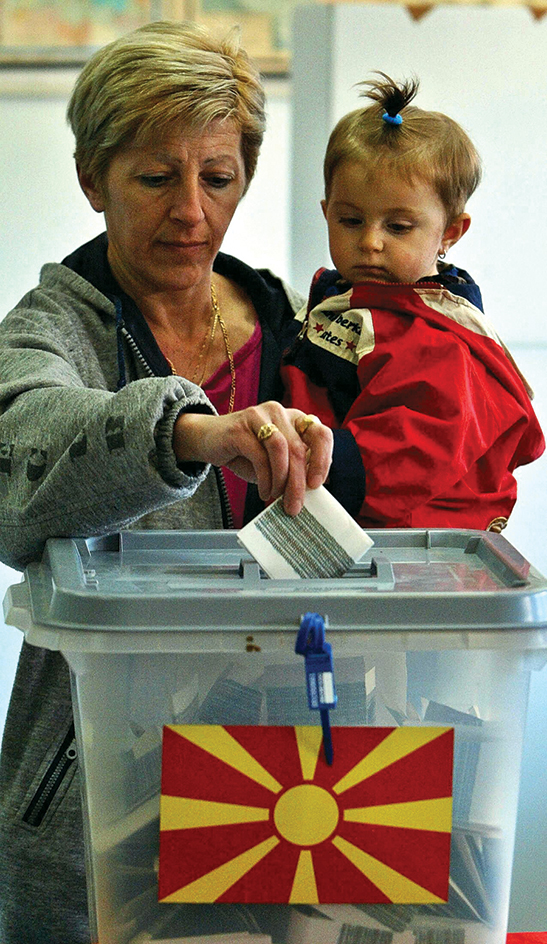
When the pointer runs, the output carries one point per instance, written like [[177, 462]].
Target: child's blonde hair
[[395, 136]]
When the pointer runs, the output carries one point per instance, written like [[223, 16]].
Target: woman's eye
[[154, 180], [218, 181]]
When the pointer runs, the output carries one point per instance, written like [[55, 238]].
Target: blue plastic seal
[[392, 119], [318, 663]]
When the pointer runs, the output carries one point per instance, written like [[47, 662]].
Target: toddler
[[430, 413]]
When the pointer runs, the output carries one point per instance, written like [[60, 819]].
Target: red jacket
[[438, 413]]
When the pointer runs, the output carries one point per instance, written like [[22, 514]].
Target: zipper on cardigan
[[227, 516], [225, 507], [52, 780], [137, 351]]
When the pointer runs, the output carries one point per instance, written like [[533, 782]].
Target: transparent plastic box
[[430, 628]]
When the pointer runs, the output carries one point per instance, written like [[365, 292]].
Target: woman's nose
[[186, 204]]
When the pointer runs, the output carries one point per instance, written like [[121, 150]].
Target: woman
[[129, 377]]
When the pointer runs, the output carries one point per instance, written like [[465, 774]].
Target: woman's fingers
[[229, 440], [319, 440], [299, 449], [265, 431], [303, 422], [314, 452], [282, 450], [286, 460]]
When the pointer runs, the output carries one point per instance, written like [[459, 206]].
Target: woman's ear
[[93, 192], [455, 230]]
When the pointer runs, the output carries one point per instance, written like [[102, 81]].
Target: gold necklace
[[210, 333], [218, 317]]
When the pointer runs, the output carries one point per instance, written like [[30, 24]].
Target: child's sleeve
[[428, 412]]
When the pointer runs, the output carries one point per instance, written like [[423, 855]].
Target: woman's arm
[[77, 459], [283, 464]]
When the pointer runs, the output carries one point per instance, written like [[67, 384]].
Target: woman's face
[[167, 206]]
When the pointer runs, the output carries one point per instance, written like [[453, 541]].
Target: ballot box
[[210, 811]]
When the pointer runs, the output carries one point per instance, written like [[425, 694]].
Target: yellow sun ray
[[434, 815], [304, 888], [217, 741], [395, 886], [308, 741], [213, 885], [398, 744], [185, 813]]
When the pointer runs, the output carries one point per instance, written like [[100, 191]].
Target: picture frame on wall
[[51, 33]]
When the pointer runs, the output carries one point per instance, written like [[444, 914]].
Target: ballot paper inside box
[[429, 631]]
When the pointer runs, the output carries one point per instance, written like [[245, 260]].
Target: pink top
[[217, 388]]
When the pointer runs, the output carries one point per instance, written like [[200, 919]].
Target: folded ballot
[[323, 540]]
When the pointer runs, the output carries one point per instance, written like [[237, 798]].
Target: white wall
[[44, 215], [10, 644]]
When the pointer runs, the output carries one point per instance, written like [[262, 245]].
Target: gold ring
[[265, 431], [303, 423]]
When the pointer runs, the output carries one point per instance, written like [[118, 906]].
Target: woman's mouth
[[177, 246]]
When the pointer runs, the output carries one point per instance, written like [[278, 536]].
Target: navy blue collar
[[457, 281]]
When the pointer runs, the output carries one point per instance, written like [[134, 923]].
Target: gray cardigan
[[78, 456]]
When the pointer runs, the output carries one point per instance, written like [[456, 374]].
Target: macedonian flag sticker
[[254, 814]]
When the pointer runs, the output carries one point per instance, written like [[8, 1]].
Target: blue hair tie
[[392, 119]]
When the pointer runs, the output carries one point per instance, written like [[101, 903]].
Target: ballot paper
[[321, 541]]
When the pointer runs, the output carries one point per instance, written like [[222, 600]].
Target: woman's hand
[[283, 463]]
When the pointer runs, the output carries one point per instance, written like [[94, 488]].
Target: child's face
[[383, 228]]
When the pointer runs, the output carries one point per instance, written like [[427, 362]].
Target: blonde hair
[[426, 144], [159, 75]]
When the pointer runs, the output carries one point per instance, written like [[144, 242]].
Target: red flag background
[[254, 814]]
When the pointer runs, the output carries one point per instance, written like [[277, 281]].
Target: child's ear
[[455, 230], [324, 208]]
